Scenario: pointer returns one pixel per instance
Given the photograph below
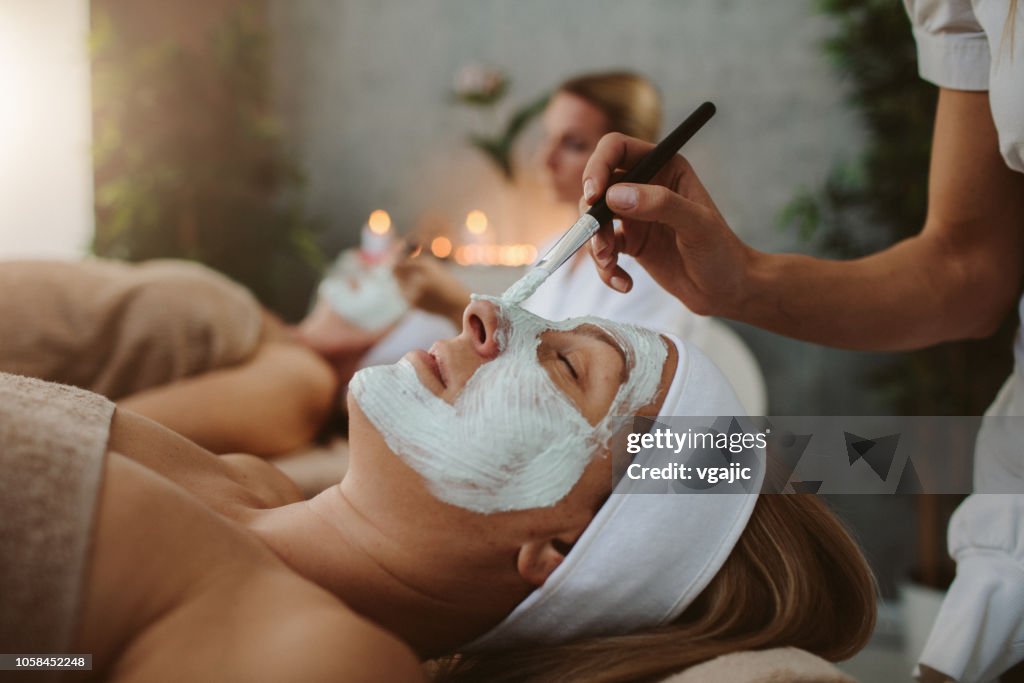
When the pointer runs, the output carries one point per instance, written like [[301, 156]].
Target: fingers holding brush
[[670, 225], [614, 151], [604, 247]]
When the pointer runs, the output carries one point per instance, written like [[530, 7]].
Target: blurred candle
[[441, 247], [476, 227], [375, 240], [476, 222]]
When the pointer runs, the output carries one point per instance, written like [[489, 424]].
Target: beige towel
[[779, 665], [53, 439], [117, 328]]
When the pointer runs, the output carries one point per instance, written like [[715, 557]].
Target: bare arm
[[957, 278], [274, 402], [221, 482], [431, 287]]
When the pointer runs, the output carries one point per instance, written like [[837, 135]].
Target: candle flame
[[379, 222], [476, 222]]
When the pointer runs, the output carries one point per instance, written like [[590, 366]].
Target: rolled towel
[[53, 439], [778, 665], [118, 328]]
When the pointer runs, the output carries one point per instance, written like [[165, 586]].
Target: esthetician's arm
[[958, 278]]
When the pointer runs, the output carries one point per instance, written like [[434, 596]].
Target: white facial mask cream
[[512, 440]]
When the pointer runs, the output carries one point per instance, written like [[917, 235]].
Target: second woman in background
[[579, 113]]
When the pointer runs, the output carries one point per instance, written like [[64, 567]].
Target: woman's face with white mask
[[509, 414], [584, 364]]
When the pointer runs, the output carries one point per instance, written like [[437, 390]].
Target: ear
[[538, 559]]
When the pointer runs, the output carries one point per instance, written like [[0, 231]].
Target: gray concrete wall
[[363, 87]]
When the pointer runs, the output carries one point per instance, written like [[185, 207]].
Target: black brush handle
[[653, 161]]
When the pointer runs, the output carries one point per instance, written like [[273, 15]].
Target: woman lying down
[[475, 520]]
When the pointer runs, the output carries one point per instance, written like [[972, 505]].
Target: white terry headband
[[646, 556]]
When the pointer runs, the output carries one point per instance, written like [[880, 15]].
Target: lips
[[431, 376], [437, 366]]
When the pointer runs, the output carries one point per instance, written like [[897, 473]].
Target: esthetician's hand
[[429, 286], [671, 226]]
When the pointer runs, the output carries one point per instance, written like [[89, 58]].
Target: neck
[[432, 593]]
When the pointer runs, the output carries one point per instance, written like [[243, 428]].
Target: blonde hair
[[1009, 29], [630, 102], [796, 578]]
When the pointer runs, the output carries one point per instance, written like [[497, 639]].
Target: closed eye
[[575, 145], [572, 370]]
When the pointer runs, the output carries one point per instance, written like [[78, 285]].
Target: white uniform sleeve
[[979, 632], [1006, 75], [976, 45], [952, 49]]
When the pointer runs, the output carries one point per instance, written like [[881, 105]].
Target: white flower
[[478, 84]]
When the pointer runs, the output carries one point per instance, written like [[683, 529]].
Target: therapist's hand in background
[[426, 284], [671, 226]]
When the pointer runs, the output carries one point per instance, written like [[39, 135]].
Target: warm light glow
[[379, 222], [441, 247], [45, 130], [476, 222], [495, 255]]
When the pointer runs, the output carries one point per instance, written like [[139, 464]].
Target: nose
[[480, 324]]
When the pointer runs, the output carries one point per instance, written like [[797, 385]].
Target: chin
[[363, 436], [358, 423], [567, 196], [553, 192], [357, 420], [381, 475]]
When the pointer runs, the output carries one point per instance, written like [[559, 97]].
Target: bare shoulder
[[308, 635], [300, 367], [336, 644], [271, 626], [299, 386]]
